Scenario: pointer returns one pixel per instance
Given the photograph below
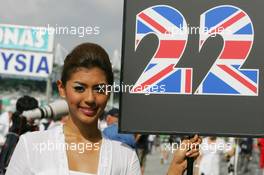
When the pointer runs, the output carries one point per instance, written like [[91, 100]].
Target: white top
[[42, 153], [78, 173]]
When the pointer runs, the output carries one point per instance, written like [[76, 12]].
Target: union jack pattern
[[169, 25], [226, 76]]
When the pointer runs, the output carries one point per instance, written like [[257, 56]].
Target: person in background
[[5, 121], [142, 150], [19, 126], [246, 147], [157, 143], [261, 156], [151, 139], [230, 155], [210, 157], [164, 148], [111, 131]]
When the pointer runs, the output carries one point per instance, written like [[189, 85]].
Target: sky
[[106, 15]]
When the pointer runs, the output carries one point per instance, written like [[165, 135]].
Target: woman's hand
[[187, 148]]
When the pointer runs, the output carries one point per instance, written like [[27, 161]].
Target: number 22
[[225, 77]]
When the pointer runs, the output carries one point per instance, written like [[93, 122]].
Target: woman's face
[[84, 95]]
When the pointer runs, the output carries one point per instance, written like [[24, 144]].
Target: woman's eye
[[79, 89]]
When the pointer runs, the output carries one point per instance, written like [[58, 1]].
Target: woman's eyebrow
[[80, 83], [83, 84]]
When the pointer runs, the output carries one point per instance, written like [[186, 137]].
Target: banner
[[26, 51], [24, 63], [26, 38]]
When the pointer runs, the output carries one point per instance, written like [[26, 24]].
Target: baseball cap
[[113, 112]]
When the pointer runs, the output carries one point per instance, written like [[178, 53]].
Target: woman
[[77, 147]]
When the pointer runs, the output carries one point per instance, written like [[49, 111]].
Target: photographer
[[19, 126]]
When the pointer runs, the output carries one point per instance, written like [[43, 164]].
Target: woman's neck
[[87, 132]]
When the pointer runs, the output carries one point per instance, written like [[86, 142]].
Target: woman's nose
[[90, 98]]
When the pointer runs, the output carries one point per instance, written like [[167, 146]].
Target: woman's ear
[[61, 88]]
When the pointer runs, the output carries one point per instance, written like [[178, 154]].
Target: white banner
[[34, 64]]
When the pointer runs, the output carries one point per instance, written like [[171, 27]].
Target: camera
[[53, 110]]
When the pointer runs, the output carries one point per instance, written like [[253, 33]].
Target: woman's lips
[[87, 111]]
